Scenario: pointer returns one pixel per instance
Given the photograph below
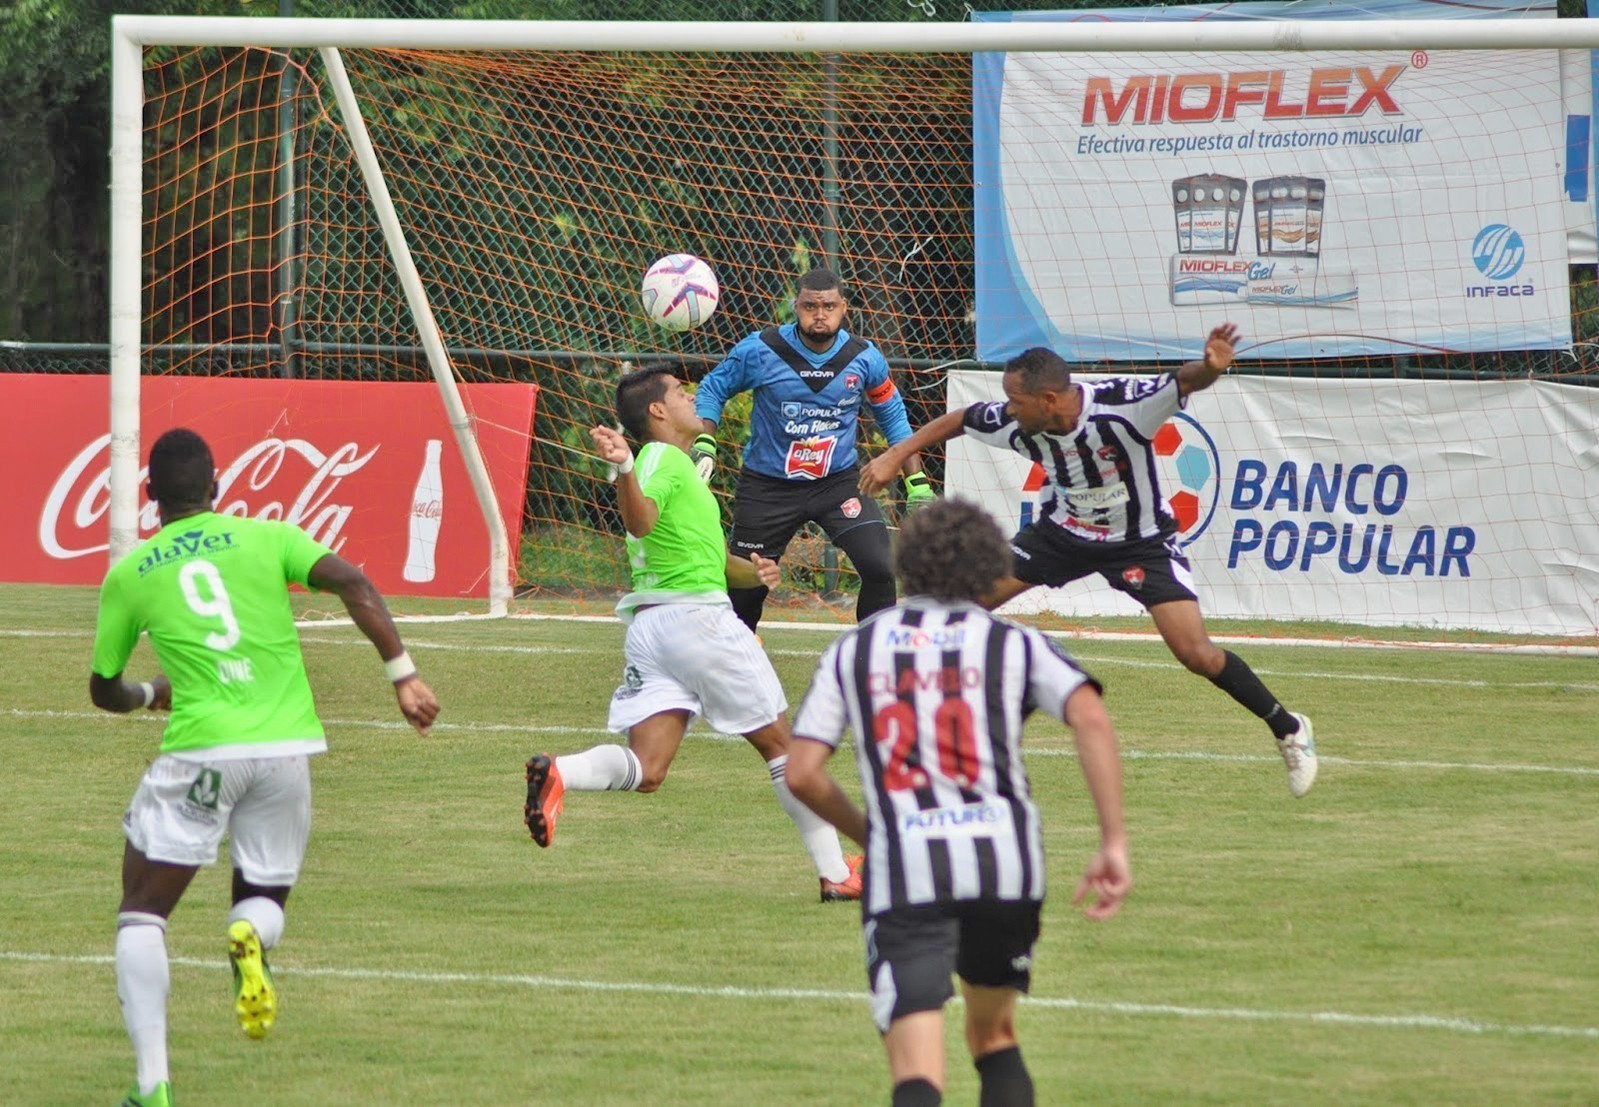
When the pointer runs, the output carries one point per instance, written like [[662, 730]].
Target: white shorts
[[697, 658], [183, 808]]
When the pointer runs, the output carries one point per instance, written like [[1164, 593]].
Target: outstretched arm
[[365, 604], [1195, 376], [882, 469]]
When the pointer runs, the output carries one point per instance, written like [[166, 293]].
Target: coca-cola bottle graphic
[[427, 515]]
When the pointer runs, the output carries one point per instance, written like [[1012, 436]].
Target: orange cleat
[[850, 887], [544, 791]]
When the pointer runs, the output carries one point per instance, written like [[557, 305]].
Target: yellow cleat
[[255, 1000]]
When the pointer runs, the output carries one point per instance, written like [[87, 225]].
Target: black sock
[[1239, 681], [875, 595], [747, 604], [916, 1093], [1005, 1082]]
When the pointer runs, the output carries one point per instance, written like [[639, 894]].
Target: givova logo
[[1498, 252]]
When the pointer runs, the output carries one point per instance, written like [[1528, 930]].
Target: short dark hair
[[821, 280], [182, 473], [1041, 370], [634, 395], [951, 550]]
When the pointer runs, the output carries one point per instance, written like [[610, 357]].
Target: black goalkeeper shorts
[[769, 511]]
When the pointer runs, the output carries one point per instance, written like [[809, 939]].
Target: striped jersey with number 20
[[936, 695]]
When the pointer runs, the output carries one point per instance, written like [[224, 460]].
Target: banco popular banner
[[1389, 503], [369, 470], [1333, 204]]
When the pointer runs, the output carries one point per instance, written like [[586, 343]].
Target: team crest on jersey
[[851, 508], [810, 459], [1134, 577], [852, 382]]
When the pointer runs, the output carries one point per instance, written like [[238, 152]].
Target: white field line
[[700, 991], [1032, 751], [1553, 650], [1087, 659], [1533, 648]]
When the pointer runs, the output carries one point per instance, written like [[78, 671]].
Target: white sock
[[821, 840], [263, 914], [143, 981], [601, 769]]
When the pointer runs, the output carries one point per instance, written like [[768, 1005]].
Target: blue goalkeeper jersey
[[807, 405]]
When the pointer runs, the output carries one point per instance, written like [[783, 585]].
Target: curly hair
[[951, 550], [182, 473]]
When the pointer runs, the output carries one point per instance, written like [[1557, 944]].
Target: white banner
[[1333, 204], [1453, 505]]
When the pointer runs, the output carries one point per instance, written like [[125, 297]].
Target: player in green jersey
[[212, 593], [686, 653]]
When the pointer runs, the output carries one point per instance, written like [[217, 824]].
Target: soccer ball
[[679, 292]]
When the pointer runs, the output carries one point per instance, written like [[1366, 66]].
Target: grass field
[[1421, 929]]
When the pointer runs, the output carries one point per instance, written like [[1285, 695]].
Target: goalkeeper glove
[[918, 491], [704, 454]]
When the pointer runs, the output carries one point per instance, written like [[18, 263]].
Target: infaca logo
[[1498, 252]]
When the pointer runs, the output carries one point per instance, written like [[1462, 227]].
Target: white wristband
[[619, 468], [148, 691], [400, 668]]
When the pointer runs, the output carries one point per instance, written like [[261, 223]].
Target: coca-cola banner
[[370, 470]]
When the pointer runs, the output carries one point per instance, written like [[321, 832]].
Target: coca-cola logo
[[81, 495], [428, 509]]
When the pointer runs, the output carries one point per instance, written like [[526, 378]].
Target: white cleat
[[1299, 754]]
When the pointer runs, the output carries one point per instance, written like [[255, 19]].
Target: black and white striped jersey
[[1100, 482], [936, 695]]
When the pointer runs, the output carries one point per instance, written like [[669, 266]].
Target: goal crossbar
[[869, 38]]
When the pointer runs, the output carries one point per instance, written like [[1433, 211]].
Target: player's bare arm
[[1195, 376], [367, 610], [639, 512], [815, 787], [880, 472], [120, 695], [1107, 879], [756, 572]]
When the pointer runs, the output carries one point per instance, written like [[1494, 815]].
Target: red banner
[[370, 470]]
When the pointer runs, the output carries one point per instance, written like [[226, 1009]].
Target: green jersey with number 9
[[212, 591]]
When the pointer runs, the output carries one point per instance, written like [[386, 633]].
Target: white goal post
[[132, 35]]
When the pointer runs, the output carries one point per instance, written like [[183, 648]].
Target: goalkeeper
[[809, 378]]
